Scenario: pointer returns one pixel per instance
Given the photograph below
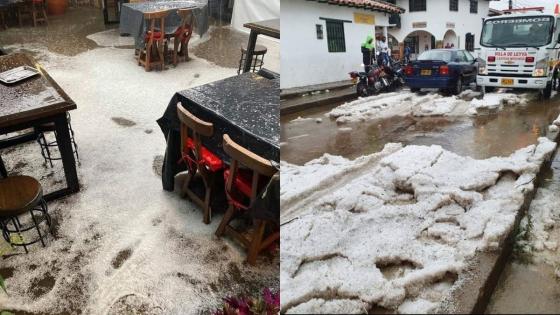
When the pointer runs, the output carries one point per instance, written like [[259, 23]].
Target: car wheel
[[547, 91], [414, 90], [361, 90], [458, 88]]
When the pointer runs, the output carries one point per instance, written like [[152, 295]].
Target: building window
[[474, 6], [453, 5], [319, 29], [335, 36], [417, 5]]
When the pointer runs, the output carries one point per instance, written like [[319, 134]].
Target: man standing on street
[[368, 52]]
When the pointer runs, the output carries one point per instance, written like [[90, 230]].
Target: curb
[[483, 274]]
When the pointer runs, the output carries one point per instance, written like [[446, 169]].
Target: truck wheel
[[361, 90], [547, 91], [458, 88], [414, 90]]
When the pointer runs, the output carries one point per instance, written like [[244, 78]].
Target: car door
[[472, 65], [460, 63]]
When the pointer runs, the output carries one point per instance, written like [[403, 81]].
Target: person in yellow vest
[[368, 52]]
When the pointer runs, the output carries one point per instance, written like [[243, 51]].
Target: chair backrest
[[193, 127], [155, 19], [240, 155], [187, 21]]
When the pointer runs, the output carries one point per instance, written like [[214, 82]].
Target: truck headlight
[[482, 69], [541, 68]]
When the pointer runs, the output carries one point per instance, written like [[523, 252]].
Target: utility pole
[[510, 4]]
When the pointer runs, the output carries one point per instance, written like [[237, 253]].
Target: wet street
[[480, 137], [307, 135]]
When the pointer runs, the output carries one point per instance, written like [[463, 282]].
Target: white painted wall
[[306, 60], [245, 11], [437, 15]]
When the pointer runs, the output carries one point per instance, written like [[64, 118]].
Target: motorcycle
[[380, 78]]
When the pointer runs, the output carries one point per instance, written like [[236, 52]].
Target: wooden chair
[[20, 195], [153, 52], [182, 36], [200, 161], [35, 9], [3, 13], [242, 189]]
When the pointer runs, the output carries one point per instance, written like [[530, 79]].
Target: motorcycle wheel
[[361, 90]]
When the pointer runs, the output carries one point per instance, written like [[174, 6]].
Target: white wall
[[437, 15], [306, 60], [253, 10]]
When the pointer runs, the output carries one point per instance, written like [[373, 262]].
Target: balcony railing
[[395, 19]]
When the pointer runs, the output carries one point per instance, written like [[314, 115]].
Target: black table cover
[[246, 107]]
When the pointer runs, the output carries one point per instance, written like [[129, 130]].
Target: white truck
[[519, 50]]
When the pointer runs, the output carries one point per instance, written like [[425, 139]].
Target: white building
[[321, 41], [428, 24]]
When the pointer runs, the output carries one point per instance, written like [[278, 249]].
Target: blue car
[[445, 69]]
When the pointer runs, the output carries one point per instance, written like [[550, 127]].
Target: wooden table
[[268, 27], [132, 20], [35, 101]]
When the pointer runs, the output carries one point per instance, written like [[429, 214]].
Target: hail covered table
[[35, 101], [132, 20], [246, 107]]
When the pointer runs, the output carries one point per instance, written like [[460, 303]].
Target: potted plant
[[57, 7]]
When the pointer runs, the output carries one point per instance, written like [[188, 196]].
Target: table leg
[[67, 154], [3, 171], [250, 50]]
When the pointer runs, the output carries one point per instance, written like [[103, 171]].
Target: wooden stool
[[152, 53], [200, 161], [182, 36], [39, 12], [20, 195], [258, 58], [46, 145], [35, 9], [242, 189]]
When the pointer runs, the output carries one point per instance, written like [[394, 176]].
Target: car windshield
[[436, 55], [529, 31]]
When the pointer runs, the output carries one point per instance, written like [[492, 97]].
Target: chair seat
[[157, 35], [213, 162], [18, 194], [259, 50]]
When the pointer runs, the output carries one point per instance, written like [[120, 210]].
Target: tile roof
[[373, 5]]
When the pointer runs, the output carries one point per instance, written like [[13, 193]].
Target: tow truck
[[519, 50]]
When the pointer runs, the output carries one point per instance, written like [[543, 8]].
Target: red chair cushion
[[157, 35], [181, 30], [242, 181], [213, 162]]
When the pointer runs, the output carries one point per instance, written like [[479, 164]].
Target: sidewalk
[[298, 99]]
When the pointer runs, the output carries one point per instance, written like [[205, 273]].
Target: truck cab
[[519, 50]]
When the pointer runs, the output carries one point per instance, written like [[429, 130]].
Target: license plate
[[425, 72], [507, 81], [354, 80]]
